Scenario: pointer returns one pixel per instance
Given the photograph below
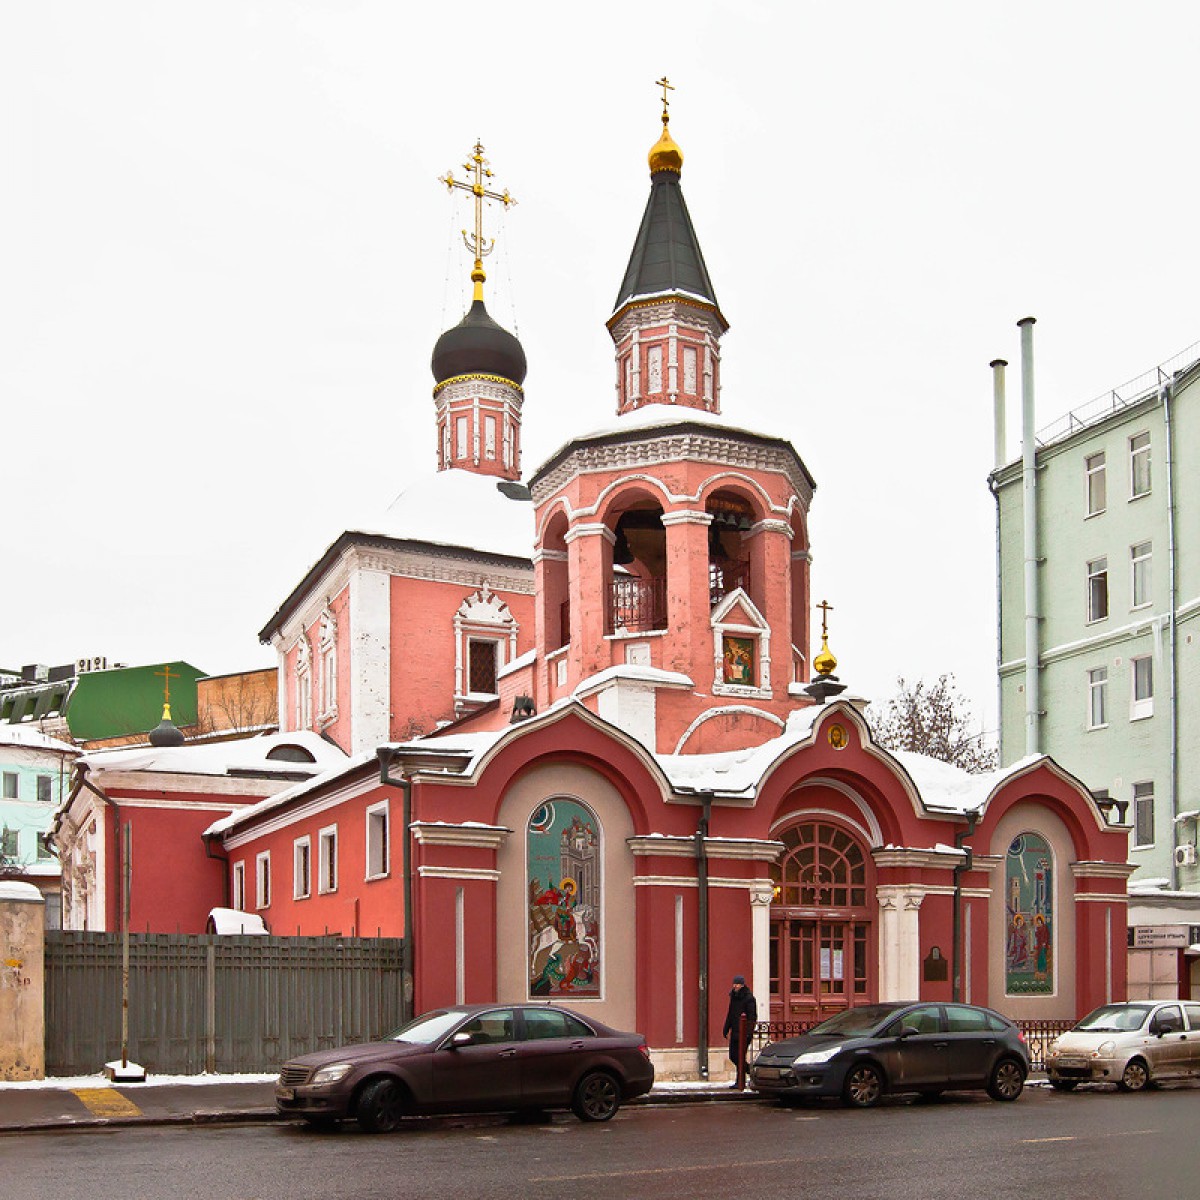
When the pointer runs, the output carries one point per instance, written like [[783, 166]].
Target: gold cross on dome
[[666, 86], [478, 170], [167, 675], [826, 609]]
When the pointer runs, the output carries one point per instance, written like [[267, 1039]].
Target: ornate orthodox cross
[[666, 87], [478, 171], [826, 609], [167, 675]]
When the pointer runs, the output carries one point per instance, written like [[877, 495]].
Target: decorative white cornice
[[597, 530], [749, 849], [478, 873], [923, 860], [1102, 870], [482, 387], [1102, 898], [480, 837], [687, 517]]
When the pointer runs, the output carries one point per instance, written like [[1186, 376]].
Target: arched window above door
[[823, 866]]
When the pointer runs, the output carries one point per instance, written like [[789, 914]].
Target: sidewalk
[[94, 1102]]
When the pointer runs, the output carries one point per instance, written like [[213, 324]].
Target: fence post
[[22, 982], [743, 1038], [210, 1009]]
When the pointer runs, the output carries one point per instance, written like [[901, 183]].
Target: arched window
[[1029, 916], [562, 849], [823, 867]]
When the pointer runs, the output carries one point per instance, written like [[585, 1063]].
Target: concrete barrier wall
[[22, 982]]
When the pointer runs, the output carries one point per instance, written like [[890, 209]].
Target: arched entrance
[[822, 936]]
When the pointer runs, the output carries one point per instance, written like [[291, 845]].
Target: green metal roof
[[130, 700]]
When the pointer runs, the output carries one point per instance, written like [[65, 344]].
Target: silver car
[[1132, 1045]]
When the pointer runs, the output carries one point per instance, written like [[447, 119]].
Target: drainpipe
[[385, 755], [1029, 483], [1166, 392], [1000, 451], [702, 966], [964, 865], [222, 858]]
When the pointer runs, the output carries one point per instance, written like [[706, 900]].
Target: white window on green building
[[10, 785], [44, 849], [1143, 814], [1097, 492], [45, 792], [8, 843], [1139, 465], [1097, 589], [1098, 698], [1142, 670], [1140, 558]]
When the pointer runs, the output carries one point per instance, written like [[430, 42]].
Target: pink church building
[[618, 773]]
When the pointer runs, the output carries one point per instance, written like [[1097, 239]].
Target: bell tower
[[666, 324]]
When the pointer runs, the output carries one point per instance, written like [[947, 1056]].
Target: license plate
[[766, 1073], [282, 1093], [1070, 1062]]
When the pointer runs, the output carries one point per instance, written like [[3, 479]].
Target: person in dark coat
[[741, 1001]]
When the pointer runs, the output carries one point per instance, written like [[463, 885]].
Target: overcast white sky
[[225, 257]]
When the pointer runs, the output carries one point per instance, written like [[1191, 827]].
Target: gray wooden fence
[[216, 1003]]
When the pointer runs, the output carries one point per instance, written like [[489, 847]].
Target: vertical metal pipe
[[1029, 489], [1000, 440], [702, 965], [1167, 395]]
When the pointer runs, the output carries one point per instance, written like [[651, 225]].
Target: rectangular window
[[262, 880], [8, 843], [304, 701], [1097, 589], [689, 370], [327, 864], [481, 666], [378, 851], [628, 378], [1139, 557], [1143, 687], [1096, 490], [1143, 814], [45, 789], [237, 887], [1098, 698], [44, 849], [301, 868], [1139, 465], [460, 436], [489, 436], [10, 785]]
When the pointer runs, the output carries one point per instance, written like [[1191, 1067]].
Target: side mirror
[[461, 1039], [906, 1031]]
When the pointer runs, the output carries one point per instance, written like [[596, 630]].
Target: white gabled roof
[[33, 739], [220, 758]]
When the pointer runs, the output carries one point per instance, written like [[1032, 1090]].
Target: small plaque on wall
[[937, 968]]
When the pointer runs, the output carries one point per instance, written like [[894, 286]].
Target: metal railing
[[637, 604]]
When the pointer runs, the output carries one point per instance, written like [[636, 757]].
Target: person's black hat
[[740, 979]]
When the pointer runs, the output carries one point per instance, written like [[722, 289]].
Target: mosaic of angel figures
[[1029, 891], [563, 854]]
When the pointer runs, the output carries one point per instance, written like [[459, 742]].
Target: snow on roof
[[649, 416], [33, 739], [524, 660], [14, 889], [632, 673], [233, 920], [948, 788], [458, 508], [220, 758]]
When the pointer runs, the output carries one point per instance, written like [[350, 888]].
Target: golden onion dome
[[824, 662], [665, 155]]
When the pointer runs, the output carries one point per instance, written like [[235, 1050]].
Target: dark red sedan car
[[471, 1058]]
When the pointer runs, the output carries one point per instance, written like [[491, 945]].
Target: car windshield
[[428, 1027], [854, 1021], [1115, 1018]]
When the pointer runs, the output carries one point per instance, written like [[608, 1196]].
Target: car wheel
[[380, 1106], [1064, 1085], [1007, 1080], [1135, 1077], [597, 1097], [864, 1086]]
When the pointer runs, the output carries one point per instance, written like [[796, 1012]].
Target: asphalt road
[[1087, 1145]]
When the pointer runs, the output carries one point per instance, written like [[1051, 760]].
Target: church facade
[[621, 776]]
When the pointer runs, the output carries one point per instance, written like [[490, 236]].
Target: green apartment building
[[1099, 631]]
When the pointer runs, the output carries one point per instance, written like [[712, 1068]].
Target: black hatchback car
[[863, 1053], [471, 1058]]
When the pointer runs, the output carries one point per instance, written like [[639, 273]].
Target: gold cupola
[[665, 155]]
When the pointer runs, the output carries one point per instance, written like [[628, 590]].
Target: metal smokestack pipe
[[1001, 454], [1029, 492]]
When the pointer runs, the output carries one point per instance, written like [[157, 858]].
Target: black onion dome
[[478, 346], [166, 732]]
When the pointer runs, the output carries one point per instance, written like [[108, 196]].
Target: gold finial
[[477, 171], [825, 662], [166, 674], [665, 155]]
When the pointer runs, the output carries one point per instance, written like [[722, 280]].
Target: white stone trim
[[477, 873], [483, 837]]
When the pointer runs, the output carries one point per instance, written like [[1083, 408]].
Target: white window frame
[[45, 783], [1141, 579], [1141, 706], [378, 849], [237, 886], [303, 683], [327, 846], [1095, 484], [262, 879], [302, 868], [11, 786], [1097, 569], [1139, 460], [1097, 679], [1140, 804]]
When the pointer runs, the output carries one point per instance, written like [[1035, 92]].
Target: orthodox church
[[617, 774]]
